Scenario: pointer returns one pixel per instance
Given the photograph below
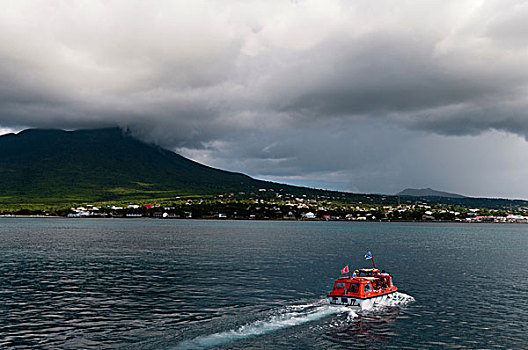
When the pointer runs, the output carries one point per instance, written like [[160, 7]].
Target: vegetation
[[281, 205], [51, 171]]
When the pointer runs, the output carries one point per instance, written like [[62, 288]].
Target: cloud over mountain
[[273, 88]]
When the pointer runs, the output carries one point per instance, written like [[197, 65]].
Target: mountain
[[56, 168], [48, 167], [427, 192]]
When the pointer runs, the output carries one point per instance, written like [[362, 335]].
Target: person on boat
[[377, 285], [355, 274]]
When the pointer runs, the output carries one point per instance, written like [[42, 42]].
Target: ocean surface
[[175, 284]]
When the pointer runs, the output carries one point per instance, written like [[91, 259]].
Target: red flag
[[345, 269]]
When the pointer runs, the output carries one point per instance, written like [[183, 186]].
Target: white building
[[308, 215]]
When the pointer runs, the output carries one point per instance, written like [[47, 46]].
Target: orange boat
[[365, 289]]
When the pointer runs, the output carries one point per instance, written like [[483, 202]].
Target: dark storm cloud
[[271, 88], [376, 76], [151, 67]]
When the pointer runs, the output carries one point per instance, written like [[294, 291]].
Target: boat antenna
[[371, 257]]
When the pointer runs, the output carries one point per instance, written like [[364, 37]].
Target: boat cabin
[[368, 283]]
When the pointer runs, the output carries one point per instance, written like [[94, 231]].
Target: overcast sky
[[362, 96]]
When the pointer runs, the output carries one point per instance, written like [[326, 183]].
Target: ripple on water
[[155, 284]]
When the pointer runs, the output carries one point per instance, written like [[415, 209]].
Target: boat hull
[[363, 303]]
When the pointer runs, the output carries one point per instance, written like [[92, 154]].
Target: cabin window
[[376, 284], [339, 286], [354, 288], [367, 288]]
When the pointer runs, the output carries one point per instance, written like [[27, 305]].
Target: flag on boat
[[368, 256], [345, 269]]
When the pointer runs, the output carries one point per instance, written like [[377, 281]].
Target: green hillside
[[56, 168], [53, 167]]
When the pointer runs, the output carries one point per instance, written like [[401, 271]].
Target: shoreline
[[260, 220]]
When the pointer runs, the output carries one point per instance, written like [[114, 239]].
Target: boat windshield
[[363, 273], [339, 285]]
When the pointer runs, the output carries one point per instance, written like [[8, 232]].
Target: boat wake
[[290, 316], [371, 327]]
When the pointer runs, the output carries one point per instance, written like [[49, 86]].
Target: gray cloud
[[322, 92]]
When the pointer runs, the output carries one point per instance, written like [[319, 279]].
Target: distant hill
[[52, 168], [48, 167], [427, 192]]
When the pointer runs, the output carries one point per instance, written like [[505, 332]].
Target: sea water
[[189, 284]]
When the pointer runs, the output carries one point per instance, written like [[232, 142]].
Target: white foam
[[399, 299], [396, 300], [292, 316]]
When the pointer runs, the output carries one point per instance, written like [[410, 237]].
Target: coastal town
[[284, 206]]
